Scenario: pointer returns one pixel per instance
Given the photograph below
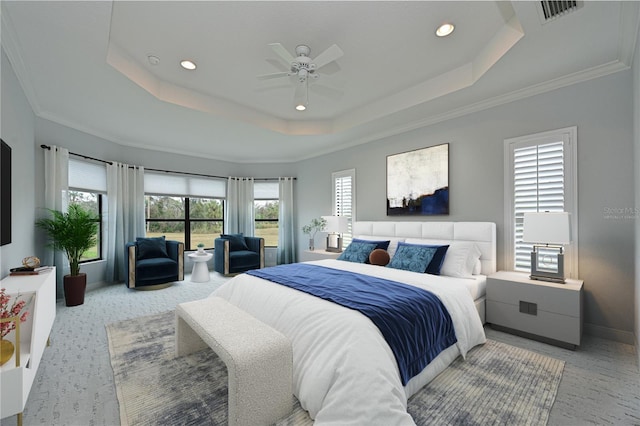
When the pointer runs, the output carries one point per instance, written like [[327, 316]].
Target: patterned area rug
[[496, 384]]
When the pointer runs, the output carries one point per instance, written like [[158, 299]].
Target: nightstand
[[540, 310], [318, 254]]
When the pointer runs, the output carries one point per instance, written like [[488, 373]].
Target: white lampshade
[[547, 228], [336, 224]]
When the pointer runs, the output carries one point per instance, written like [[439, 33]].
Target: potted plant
[[311, 229], [73, 232], [200, 248]]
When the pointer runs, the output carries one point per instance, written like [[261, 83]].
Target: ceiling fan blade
[[329, 55], [273, 75], [283, 53]]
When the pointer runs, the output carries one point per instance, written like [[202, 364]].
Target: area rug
[[496, 384]]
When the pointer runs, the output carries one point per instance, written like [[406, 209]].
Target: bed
[[345, 372]]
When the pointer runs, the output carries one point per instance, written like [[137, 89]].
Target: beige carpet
[[496, 384]]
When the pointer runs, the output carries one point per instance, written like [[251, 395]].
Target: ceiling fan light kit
[[303, 67]]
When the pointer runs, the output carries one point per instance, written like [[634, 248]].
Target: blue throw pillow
[[384, 245], [357, 252], [236, 241], [438, 259], [410, 257], [151, 248]]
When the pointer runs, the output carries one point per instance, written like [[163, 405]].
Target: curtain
[[125, 214], [56, 184], [286, 228], [239, 210]]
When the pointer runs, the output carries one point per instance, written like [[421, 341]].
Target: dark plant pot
[[74, 288]]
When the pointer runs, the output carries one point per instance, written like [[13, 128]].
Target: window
[[189, 220], [266, 209], [91, 201], [87, 187], [344, 196], [540, 175], [184, 208]]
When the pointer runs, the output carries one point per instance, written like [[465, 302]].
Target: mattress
[[344, 371], [477, 285]]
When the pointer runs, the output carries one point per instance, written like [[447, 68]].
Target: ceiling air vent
[[553, 9]]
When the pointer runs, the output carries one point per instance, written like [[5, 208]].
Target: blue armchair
[[235, 253], [153, 261]]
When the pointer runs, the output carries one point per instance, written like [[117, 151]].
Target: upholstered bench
[[258, 358]]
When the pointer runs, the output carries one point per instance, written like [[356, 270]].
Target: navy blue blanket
[[414, 322]]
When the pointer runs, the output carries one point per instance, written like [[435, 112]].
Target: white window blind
[[538, 186], [344, 199], [266, 190], [87, 175], [184, 185], [540, 176]]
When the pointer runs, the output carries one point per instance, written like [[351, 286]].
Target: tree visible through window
[[266, 221], [91, 201], [186, 219]]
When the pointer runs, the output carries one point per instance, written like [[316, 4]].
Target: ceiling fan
[[303, 67]]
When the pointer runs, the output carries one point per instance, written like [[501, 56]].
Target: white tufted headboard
[[483, 234]]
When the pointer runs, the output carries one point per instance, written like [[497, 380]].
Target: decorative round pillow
[[379, 257]]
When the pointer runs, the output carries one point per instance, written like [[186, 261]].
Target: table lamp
[[548, 232], [336, 226]]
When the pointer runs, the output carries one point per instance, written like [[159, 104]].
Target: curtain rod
[[43, 146]]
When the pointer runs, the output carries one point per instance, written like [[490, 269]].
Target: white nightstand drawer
[[549, 297], [548, 324]]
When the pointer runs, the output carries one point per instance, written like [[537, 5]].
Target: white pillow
[[460, 260], [477, 269]]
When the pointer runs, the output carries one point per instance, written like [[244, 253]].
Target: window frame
[[335, 177], [568, 136], [187, 220]]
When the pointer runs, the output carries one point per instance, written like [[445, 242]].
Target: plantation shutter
[[344, 200], [538, 186]]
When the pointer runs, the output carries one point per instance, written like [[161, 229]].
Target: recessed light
[[153, 60], [444, 30], [301, 107], [187, 64]]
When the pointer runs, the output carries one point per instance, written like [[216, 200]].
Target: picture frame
[[418, 182]]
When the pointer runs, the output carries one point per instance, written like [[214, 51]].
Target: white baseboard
[[610, 334]]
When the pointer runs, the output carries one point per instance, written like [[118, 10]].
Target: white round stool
[[200, 273]]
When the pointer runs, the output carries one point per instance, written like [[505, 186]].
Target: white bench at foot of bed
[[258, 358]]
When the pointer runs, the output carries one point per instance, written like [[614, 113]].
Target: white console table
[[16, 381]]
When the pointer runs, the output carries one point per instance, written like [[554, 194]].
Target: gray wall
[[636, 132], [601, 109], [18, 129]]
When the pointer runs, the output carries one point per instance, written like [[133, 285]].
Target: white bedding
[[344, 371]]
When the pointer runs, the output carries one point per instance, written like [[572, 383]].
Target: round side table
[[200, 273]]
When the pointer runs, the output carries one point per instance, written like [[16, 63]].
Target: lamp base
[[544, 267], [548, 279], [334, 243]]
